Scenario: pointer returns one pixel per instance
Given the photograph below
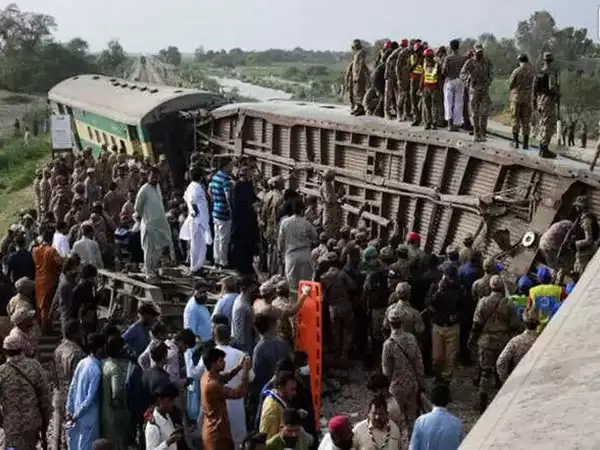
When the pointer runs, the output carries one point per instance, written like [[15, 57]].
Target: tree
[[536, 35], [170, 55], [113, 59], [571, 44], [579, 95], [23, 31]]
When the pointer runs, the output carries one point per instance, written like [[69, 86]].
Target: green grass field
[[18, 163]]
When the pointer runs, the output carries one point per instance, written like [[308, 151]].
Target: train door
[[74, 131], [134, 139]]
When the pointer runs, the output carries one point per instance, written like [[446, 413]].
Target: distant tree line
[[31, 60]]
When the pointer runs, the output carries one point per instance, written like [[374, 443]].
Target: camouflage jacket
[[514, 351], [496, 318]]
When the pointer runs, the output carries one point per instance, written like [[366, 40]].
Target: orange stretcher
[[309, 339]]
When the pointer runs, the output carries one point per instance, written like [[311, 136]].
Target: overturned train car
[[437, 183]]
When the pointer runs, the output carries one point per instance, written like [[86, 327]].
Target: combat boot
[[360, 110], [428, 126], [525, 142], [516, 140]]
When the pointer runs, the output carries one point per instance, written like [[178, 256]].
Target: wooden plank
[[429, 235], [413, 220], [459, 187]]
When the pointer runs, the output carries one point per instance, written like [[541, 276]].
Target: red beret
[[404, 43], [337, 424], [414, 237], [428, 52], [388, 44]]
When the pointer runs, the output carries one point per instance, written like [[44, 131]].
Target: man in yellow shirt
[[276, 401]]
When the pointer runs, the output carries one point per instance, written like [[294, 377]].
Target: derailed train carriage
[[437, 183], [144, 119]]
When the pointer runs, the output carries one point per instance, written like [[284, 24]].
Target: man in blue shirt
[[438, 429], [220, 194], [137, 336], [196, 316]]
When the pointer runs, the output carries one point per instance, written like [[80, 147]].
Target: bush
[[19, 161]]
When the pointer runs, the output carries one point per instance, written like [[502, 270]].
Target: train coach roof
[[127, 101]]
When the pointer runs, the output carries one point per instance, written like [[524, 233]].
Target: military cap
[[478, 48], [361, 235], [13, 342], [329, 174], [496, 283], [386, 252], [370, 253], [489, 265], [396, 314], [267, 288], [403, 290], [345, 229], [20, 315], [530, 316], [282, 288], [26, 287], [356, 44], [548, 56], [402, 250]]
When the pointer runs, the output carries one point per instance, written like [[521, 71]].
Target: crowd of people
[[450, 88], [233, 377]]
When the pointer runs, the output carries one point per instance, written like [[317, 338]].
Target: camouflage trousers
[[358, 90], [415, 98], [546, 110], [582, 258], [373, 102], [403, 107], [479, 106], [520, 117], [341, 322], [486, 358], [389, 100], [431, 106]]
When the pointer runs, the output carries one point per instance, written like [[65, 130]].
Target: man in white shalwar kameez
[[154, 227], [196, 228], [233, 357]]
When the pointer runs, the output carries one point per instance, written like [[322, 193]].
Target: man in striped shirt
[[220, 193]]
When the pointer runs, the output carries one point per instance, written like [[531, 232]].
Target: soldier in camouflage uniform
[[45, 192], [517, 347], [271, 204], [586, 247], [546, 92], [416, 74], [520, 84], [332, 196], [357, 77], [373, 101], [476, 74], [337, 287], [413, 322], [391, 82], [402, 364], [401, 269], [403, 107], [558, 238], [24, 396], [481, 288], [494, 322]]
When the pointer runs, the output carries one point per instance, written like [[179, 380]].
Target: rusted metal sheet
[[436, 183]]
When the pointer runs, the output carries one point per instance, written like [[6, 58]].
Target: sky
[[146, 26]]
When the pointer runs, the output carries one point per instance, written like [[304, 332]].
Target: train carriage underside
[[437, 183]]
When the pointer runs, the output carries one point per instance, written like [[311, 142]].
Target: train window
[[122, 142], [105, 138], [113, 140], [97, 136], [133, 134], [61, 108], [91, 136]]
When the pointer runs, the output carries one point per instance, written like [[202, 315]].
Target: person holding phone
[[160, 432]]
